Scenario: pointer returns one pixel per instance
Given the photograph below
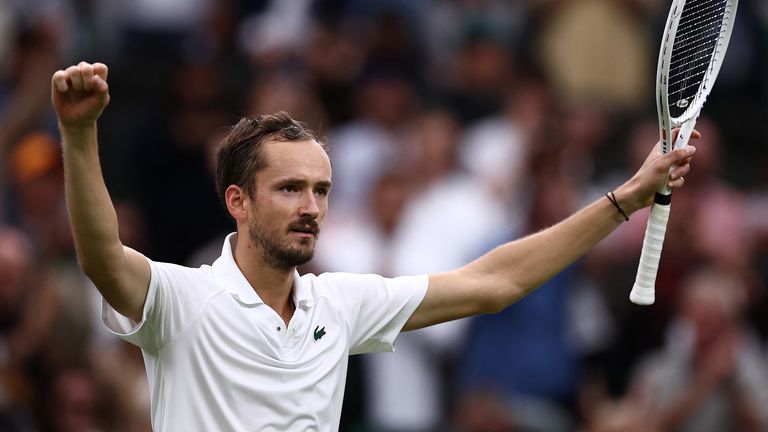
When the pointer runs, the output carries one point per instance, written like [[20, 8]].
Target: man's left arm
[[509, 272]]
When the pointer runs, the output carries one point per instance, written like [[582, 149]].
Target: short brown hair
[[240, 155]]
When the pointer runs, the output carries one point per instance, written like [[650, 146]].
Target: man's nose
[[309, 206]]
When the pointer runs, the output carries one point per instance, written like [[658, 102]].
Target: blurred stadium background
[[454, 125]]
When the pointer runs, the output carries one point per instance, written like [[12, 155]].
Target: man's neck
[[273, 285]]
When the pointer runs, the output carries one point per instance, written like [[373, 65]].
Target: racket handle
[[644, 291]]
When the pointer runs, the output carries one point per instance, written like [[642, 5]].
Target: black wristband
[[612, 198]]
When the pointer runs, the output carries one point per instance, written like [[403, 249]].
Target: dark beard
[[282, 256]]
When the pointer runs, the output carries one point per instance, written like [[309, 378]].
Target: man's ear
[[236, 199]]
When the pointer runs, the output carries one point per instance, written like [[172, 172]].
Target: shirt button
[[278, 329]]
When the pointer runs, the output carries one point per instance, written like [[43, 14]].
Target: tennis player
[[249, 344]]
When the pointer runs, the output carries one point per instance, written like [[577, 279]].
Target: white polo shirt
[[219, 359]]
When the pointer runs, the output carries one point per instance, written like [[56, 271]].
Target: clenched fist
[[79, 94]]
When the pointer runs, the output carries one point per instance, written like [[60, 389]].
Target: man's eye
[[322, 192], [289, 188]]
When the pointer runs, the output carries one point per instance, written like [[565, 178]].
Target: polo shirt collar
[[228, 274]]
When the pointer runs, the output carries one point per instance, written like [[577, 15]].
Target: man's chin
[[301, 253], [293, 250], [308, 242], [299, 260]]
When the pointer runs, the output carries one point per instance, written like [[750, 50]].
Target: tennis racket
[[695, 40]]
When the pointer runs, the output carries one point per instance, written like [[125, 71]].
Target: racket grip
[[644, 292]]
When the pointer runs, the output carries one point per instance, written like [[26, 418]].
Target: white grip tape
[[643, 292]]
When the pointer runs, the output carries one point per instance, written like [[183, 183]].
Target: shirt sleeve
[[376, 307], [176, 295]]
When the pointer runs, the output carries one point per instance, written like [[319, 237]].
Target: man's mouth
[[305, 230]]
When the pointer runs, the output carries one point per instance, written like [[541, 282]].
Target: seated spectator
[[710, 376]]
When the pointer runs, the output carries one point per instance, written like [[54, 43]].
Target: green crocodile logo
[[319, 333]]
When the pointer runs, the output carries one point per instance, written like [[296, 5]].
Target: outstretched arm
[[509, 272], [79, 94]]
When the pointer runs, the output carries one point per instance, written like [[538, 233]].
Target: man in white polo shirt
[[247, 343]]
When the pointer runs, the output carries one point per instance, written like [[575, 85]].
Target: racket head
[[693, 47]]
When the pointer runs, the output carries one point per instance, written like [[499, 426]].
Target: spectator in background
[[21, 330], [334, 58], [497, 149], [719, 219], [118, 371], [73, 400], [173, 152], [427, 238], [153, 29], [30, 51], [373, 142], [407, 391], [573, 43], [31, 44], [363, 243], [534, 374], [483, 66], [711, 374], [38, 182], [448, 24], [290, 93], [276, 31]]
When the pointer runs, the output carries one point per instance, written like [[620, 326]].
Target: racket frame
[[643, 291]]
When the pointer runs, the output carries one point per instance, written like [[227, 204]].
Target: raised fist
[[79, 94]]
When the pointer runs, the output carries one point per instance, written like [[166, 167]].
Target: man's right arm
[[79, 94]]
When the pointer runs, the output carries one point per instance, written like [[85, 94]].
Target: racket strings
[[699, 29], [696, 41], [697, 12], [705, 36], [700, 32]]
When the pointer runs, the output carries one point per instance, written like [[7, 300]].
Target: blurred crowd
[[454, 125]]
